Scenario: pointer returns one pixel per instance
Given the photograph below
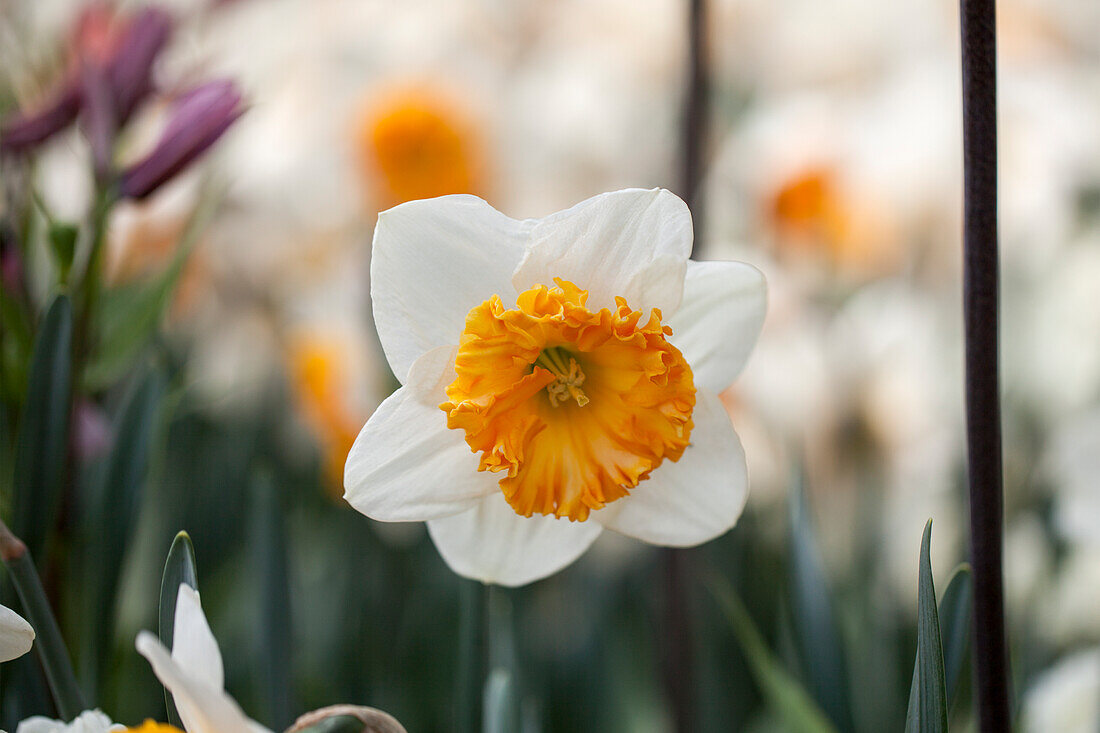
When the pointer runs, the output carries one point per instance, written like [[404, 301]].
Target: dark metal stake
[[983, 409], [677, 652]]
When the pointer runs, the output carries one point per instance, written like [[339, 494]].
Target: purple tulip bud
[[109, 75], [23, 131], [130, 68], [199, 117], [100, 118]]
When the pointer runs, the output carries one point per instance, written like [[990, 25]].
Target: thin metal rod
[[983, 408], [677, 653], [693, 129]]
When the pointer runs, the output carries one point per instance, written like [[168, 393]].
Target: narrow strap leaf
[[928, 693], [43, 435], [179, 569], [115, 501], [269, 560], [51, 648], [955, 606], [787, 699], [824, 664]]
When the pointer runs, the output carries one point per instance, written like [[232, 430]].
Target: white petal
[[16, 635], [719, 320], [203, 708], [194, 647], [407, 465], [493, 544], [432, 262], [632, 243], [695, 499], [89, 721]]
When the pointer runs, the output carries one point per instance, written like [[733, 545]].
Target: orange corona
[[574, 406]]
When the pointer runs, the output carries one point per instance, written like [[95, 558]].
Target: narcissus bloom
[[193, 672], [16, 635], [560, 375]]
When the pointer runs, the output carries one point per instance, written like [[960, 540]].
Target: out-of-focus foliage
[[202, 358]]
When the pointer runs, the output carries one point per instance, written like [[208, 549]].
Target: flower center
[[569, 376], [575, 407]]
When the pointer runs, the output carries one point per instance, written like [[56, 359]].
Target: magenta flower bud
[[109, 75], [130, 67], [199, 118], [23, 131]]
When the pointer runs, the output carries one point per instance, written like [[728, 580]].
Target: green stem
[[51, 648], [472, 643]]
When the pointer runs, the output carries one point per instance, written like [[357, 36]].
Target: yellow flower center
[[575, 406], [152, 726], [415, 145]]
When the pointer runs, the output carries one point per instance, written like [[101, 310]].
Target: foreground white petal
[[631, 243], [695, 499], [719, 320], [194, 648], [432, 261], [406, 464], [89, 721], [16, 635], [493, 544], [203, 707]]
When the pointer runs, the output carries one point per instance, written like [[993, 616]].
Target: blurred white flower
[[1072, 464], [804, 43], [574, 408], [847, 185], [1068, 606], [16, 635], [1065, 698], [193, 671], [89, 721]]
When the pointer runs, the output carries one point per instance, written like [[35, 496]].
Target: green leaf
[[51, 648], [179, 569], [955, 605], [824, 665], [928, 693], [114, 501], [267, 545], [63, 243], [129, 315], [786, 698], [43, 435]]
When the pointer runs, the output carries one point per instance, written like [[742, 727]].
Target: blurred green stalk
[[51, 648]]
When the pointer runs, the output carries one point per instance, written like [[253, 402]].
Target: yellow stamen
[[518, 396], [569, 377]]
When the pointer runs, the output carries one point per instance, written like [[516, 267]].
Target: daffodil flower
[[560, 376], [16, 635], [89, 721], [193, 672]]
